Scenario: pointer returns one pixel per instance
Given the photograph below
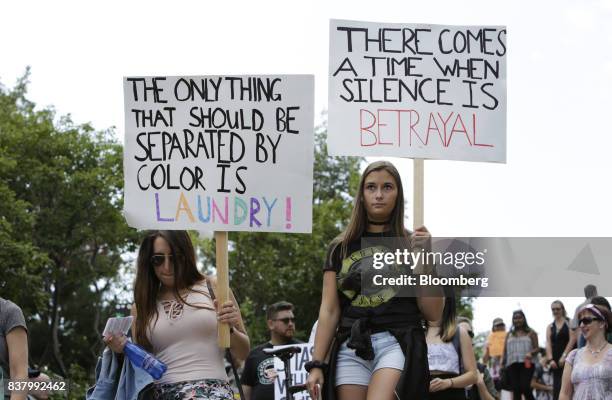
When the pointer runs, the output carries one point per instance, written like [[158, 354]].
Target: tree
[[61, 201]]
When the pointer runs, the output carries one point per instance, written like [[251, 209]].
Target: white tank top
[[443, 357], [185, 338]]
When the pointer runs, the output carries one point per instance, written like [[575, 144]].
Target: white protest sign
[[117, 325], [419, 91], [299, 374], [223, 153]]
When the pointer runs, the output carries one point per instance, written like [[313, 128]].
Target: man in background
[[259, 373], [590, 291]]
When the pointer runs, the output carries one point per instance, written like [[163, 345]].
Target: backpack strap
[[228, 353], [457, 346]]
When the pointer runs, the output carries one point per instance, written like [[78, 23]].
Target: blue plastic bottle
[[142, 359]]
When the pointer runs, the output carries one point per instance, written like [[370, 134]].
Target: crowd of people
[[368, 345]]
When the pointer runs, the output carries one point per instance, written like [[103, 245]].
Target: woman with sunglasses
[[175, 319], [450, 354], [558, 344], [588, 370], [375, 339]]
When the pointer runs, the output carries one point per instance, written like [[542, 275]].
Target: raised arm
[[239, 340]]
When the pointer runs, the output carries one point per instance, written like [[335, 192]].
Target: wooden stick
[[418, 193], [223, 334]]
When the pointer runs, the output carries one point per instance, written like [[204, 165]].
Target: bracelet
[[451, 380], [310, 365]]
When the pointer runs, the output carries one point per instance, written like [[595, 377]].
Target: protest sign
[[222, 153], [419, 91], [298, 372]]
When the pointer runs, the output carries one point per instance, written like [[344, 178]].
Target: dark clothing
[[557, 375], [559, 340], [520, 381], [448, 394], [257, 369], [378, 310]]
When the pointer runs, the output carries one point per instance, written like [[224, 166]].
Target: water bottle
[[142, 359]]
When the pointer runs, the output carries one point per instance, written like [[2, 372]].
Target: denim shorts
[[354, 370]]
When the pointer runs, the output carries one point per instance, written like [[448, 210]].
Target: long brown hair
[[147, 286], [359, 219]]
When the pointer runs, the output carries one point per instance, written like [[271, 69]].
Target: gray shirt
[[11, 317]]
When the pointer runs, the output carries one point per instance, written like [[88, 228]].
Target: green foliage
[[464, 307], [269, 267], [61, 228]]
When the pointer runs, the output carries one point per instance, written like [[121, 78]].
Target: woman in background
[[521, 347], [558, 341], [450, 355], [588, 370]]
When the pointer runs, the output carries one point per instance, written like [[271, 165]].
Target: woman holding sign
[[176, 320], [379, 348]]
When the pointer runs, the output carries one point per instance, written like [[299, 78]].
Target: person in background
[[588, 370], [559, 339], [494, 350], [602, 301], [13, 347], [259, 373], [542, 380], [452, 363], [485, 387], [519, 350], [590, 291], [176, 319]]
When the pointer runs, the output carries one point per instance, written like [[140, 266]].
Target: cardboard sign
[[420, 91], [224, 153]]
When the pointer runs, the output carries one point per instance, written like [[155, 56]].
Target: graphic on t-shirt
[[266, 373], [358, 266]]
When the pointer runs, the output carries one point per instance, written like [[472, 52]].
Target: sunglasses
[[588, 320], [556, 308], [158, 260], [286, 321], [471, 333]]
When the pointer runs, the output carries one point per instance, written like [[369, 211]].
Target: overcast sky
[[559, 79]]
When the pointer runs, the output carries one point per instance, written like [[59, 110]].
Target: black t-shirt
[[377, 301], [259, 372]]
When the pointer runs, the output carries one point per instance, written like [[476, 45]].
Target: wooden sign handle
[[418, 193], [223, 333]]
